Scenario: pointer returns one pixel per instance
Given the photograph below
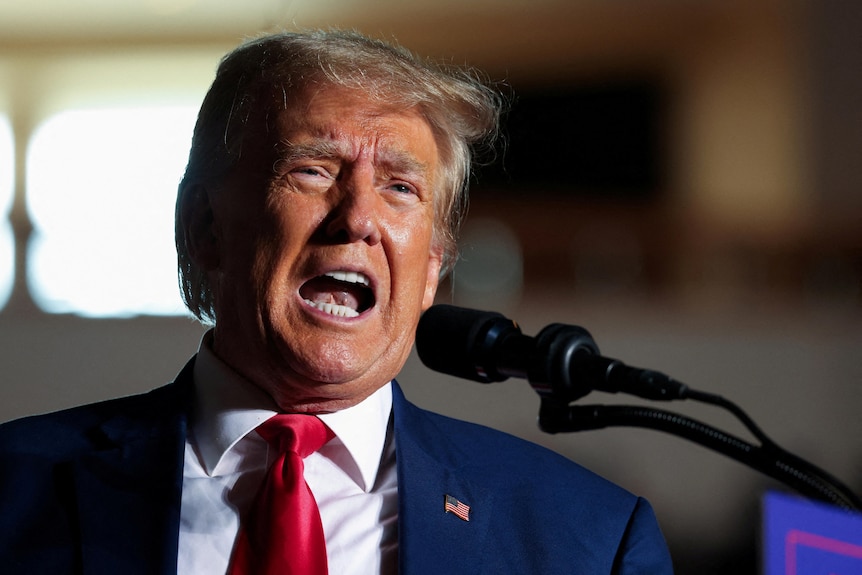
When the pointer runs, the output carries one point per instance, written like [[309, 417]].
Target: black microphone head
[[456, 341]]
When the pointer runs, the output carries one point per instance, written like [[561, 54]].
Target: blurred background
[[681, 178]]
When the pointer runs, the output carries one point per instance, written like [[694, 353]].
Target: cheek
[[253, 246], [256, 244], [413, 248], [402, 237], [284, 223], [265, 255]]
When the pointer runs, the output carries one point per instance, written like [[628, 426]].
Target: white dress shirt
[[353, 477]]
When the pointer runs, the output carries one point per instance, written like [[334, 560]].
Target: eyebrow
[[287, 151], [393, 160]]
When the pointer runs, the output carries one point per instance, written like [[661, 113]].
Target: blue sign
[[806, 538]]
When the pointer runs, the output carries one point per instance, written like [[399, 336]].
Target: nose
[[354, 218]]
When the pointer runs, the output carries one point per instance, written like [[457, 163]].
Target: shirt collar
[[228, 407], [362, 430]]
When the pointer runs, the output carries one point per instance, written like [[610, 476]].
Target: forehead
[[351, 122]]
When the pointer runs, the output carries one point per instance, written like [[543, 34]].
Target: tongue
[[327, 290]]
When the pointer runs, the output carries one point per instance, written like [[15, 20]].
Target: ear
[[199, 227], [435, 262]]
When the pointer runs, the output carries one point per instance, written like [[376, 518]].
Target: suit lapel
[[129, 489], [430, 467]]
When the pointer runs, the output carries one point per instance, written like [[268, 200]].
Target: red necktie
[[283, 533]]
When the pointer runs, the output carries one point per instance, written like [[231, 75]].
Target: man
[[318, 211]]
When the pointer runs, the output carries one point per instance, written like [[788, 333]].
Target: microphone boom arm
[[562, 364], [769, 459]]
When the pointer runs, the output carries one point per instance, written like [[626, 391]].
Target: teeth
[[350, 277], [333, 308]]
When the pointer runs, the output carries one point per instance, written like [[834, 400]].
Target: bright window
[[101, 190], [7, 182]]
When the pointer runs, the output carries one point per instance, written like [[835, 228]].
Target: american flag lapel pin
[[452, 505]]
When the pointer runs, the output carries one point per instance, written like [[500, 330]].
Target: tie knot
[[300, 434]]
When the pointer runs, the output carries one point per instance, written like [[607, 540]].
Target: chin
[[327, 397]]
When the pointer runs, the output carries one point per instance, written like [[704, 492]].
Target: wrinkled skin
[[340, 184]]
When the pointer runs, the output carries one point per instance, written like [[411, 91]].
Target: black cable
[[770, 460], [720, 401], [778, 453]]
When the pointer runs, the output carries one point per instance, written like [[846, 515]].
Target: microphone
[[561, 363]]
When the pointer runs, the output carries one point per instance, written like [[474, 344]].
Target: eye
[[311, 171], [402, 188], [308, 177], [312, 174]]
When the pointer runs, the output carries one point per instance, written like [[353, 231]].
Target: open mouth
[[339, 293]]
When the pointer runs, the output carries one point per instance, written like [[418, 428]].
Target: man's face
[[325, 251]]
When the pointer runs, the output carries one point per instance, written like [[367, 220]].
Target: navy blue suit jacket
[[96, 490]]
